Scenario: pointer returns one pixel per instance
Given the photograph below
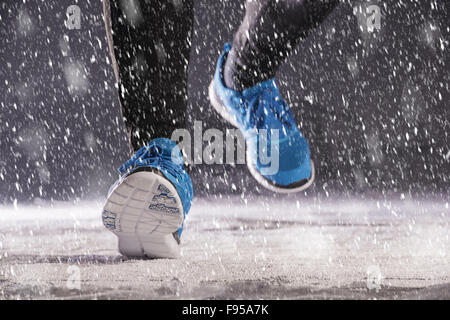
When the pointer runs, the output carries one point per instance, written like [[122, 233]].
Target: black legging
[[270, 31], [151, 43]]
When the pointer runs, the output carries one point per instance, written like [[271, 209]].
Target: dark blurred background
[[374, 105]]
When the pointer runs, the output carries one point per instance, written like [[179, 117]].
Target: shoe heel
[[144, 210], [130, 246]]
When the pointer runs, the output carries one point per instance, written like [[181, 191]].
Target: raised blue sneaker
[[267, 124], [147, 206]]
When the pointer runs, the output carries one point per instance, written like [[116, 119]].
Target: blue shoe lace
[[265, 101], [153, 155]]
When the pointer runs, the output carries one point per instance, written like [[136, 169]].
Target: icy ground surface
[[267, 248]]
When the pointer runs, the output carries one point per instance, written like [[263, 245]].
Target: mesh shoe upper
[[261, 107]]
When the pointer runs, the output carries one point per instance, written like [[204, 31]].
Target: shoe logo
[[163, 189], [162, 199], [163, 208], [109, 219], [163, 196]]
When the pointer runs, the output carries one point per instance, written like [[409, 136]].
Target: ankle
[[235, 75], [230, 76]]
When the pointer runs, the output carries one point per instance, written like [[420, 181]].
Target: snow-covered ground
[[264, 248]]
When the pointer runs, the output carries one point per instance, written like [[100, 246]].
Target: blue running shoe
[[147, 206], [261, 107]]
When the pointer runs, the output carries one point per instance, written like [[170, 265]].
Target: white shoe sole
[[220, 108], [144, 210]]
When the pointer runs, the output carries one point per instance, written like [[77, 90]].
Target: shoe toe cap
[[285, 164]]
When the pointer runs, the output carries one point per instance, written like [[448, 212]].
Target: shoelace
[[249, 110], [153, 155]]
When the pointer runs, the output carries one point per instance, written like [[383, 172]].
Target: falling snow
[[373, 102]]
